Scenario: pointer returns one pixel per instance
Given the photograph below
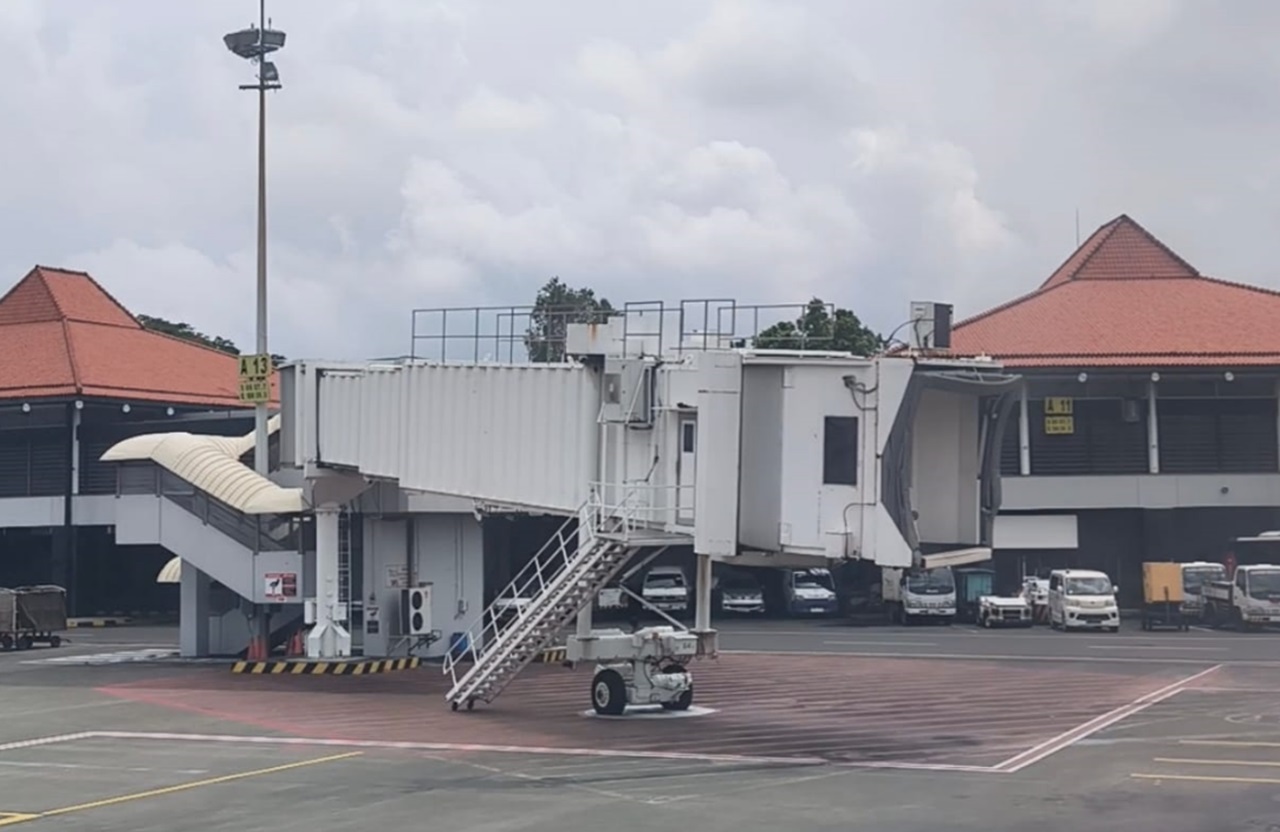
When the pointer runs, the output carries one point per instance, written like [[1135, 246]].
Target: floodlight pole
[[255, 45]]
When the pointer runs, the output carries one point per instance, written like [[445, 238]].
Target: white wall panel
[[1035, 531], [519, 434], [718, 453], [339, 416]]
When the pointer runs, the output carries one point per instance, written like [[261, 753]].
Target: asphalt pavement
[[1186, 738]]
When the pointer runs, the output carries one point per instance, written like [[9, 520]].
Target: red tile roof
[[1124, 299], [62, 334]]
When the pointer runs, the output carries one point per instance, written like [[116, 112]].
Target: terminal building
[[1147, 429], [80, 374]]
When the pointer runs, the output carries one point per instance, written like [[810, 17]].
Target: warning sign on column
[[280, 586]]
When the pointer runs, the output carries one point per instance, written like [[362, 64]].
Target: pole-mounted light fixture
[[255, 44]]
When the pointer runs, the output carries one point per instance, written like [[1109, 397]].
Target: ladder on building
[[344, 557], [563, 577]]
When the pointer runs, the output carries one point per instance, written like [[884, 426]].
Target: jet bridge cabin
[[889, 459]]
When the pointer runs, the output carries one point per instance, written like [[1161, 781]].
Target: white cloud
[[439, 153]]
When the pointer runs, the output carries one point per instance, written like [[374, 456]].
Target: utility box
[[930, 326], [1162, 582], [627, 393]]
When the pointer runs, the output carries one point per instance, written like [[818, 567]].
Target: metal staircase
[[563, 577]]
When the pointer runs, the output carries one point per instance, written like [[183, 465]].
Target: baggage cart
[[32, 615]]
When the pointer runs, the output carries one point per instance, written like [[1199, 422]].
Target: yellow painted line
[[1232, 743], [1259, 763], [182, 787], [1206, 779], [8, 818]]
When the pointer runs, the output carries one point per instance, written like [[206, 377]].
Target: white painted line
[[1144, 648], [1000, 657], [394, 745], [397, 745], [13, 746], [885, 643], [1069, 738]]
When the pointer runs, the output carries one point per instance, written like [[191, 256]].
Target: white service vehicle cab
[[666, 588], [1082, 599]]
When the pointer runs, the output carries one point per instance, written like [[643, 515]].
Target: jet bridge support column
[[329, 637]]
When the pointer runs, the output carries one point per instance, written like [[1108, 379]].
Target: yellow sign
[[255, 367], [1059, 425], [255, 378], [1059, 406]]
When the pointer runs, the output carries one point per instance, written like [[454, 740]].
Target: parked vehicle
[[800, 591], [998, 611], [1251, 599], [1195, 575], [1036, 593], [666, 588], [920, 594], [1082, 599], [1163, 596], [737, 591]]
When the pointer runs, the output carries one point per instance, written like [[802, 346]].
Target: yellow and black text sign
[[255, 378], [1059, 406], [1059, 425]]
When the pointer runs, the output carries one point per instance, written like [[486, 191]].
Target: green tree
[[822, 327], [187, 332], [557, 306]]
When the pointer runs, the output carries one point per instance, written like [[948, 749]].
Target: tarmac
[[802, 725]]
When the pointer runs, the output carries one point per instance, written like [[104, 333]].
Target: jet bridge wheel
[[609, 693], [685, 699]]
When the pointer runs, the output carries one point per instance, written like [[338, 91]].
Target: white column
[[1153, 430], [1024, 434], [193, 613], [75, 450], [328, 638], [702, 612], [584, 615]]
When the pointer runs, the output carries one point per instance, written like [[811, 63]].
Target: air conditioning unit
[[415, 610]]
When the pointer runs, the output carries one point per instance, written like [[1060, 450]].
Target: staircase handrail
[[550, 560]]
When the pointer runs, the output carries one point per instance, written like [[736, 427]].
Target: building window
[[840, 450]]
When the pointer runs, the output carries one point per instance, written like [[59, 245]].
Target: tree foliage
[[822, 327], [187, 332], [557, 306]]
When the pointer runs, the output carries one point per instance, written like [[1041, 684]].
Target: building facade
[[81, 373], [1148, 427]]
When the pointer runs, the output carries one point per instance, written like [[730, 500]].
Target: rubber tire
[[25, 642], [681, 702], [55, 641], [614, 689], [6, 642]]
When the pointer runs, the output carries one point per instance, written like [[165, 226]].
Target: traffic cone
[[297, 644]]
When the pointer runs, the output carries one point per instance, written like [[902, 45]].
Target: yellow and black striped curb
[[75, 623], [301, 667], [552, 654]]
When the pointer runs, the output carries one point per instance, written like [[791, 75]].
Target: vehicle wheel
[[6, 642], [609, 693], [471, 704], [25, 642], [681, 702], [453, 706], [55, 641]]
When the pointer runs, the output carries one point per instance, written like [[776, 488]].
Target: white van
[[1082, 598]]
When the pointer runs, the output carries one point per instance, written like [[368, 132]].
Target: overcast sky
[[432, 153]]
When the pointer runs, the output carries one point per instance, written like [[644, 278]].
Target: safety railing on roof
[[258, 533]]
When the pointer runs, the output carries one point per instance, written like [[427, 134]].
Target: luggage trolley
[[32, 615]]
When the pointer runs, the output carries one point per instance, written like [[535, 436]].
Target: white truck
[[919, 594], [1195, 576], [1004, 611], [1250, 600]]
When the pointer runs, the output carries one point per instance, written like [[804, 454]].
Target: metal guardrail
[[258, 533]]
